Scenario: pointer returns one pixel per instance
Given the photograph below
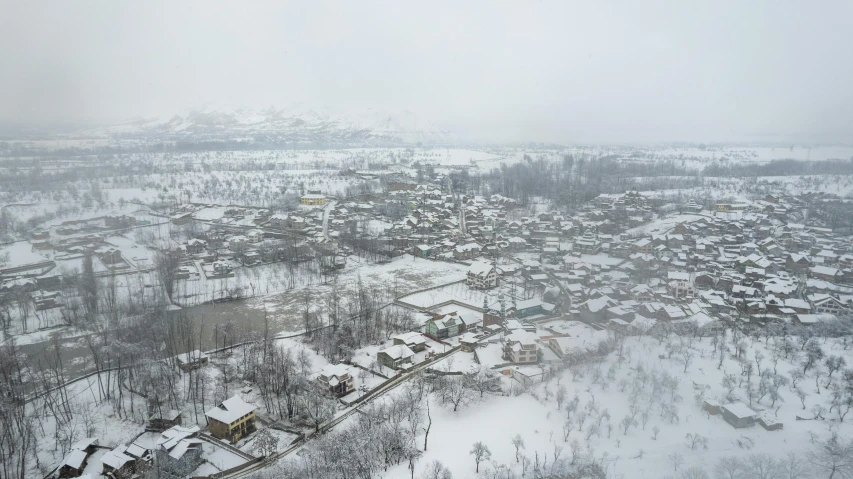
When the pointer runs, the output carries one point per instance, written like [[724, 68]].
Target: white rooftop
[[230, 410]]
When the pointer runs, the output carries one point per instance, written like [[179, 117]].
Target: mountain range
[[282, 126]]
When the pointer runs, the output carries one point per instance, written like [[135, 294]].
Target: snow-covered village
[[569, 271]]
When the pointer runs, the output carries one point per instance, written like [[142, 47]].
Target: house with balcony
[[520, 347], [482, 275], [232, 419], [336, 379]]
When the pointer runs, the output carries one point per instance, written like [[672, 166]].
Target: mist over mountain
[[297, 126]]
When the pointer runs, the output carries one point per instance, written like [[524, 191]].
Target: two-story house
[[232, 419], [482, 275], [336, 379], [521, 347]]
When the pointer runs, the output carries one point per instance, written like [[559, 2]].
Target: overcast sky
[[502, 71]]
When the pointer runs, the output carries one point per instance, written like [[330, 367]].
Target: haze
[[493, 71]]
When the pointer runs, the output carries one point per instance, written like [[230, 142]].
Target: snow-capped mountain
[[291, 126]]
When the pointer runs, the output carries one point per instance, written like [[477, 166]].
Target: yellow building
[[313, 199], [232, 420]]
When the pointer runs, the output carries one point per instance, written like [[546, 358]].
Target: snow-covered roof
[[116, 458], [170, 437], [398, 351], [815, 318], [411, 337], [75, 459], [678, 276], [825, 270], [84, 443], [181, 448], [597, 304], [797, 303], [135, 450], [739, 410], [191, 357], [480, 268], [521, 336], [532, 303], [334, 370], [230, 410]]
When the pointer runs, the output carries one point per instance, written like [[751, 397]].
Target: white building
[[482, 275], [520, 347]]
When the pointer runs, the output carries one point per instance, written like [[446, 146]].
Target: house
[[482, 275], [232, 419], [466, 251], [680, 285], [798, 305], [336, 379], [221, 268], [191, 360], [313, 199], [255, 236], [73, 464], [443, 326], [46, 300], [530, 307], [587, 244], [181, 218], [824, 303], [810, 319], [76, 459], [520, 347], [825, 273], [738, 414], [196, 246], [178, 452], [118, 464], [796, 263], [160, 420], [596, 309], [398, 356], [413, 340], [468, 342], [110, 256]]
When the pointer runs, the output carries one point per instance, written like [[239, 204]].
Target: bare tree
[[676, 460], [518, 443], [166, 266], [729, 468], [266, 443], [481, 453], [833, 457], [792, 466]]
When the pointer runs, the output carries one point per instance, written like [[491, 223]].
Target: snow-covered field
[[609, 391]]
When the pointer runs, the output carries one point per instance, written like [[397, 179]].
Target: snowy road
[[331, 423]]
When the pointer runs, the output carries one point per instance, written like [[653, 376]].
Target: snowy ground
[[535, 416]]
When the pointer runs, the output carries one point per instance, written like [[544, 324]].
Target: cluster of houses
[[175, 453]]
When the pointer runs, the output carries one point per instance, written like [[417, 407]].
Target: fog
[[493, 71]]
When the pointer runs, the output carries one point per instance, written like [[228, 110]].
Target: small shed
[[191, 360], [468, 341], [160, 420], [738, 415], [73, 464], [769, 422]]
